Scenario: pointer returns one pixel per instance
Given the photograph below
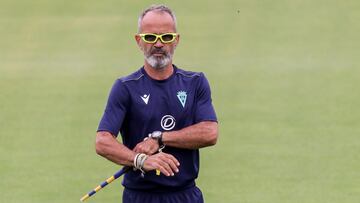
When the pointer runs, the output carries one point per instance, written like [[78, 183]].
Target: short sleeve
[[115, 110], [204, 108]]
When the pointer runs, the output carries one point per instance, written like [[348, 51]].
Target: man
[[164, 115]]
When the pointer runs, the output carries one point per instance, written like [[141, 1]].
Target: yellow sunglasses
[[153, 38]]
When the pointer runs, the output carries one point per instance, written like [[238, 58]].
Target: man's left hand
[[148, 146]]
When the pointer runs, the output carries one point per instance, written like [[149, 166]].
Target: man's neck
[[159, 74]]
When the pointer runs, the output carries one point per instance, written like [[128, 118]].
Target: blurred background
[[285, 85]]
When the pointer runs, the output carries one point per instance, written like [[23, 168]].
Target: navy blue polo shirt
[[138, 105]]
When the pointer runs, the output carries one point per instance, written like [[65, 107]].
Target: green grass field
[[285, 78]]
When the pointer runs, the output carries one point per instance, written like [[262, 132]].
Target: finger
[[165, 169], [147, 151], [171, 157], [173, 163], [136, 149], [162, 162], [152, 146], [170, 162], [140, 148], [154, 162], [173, 166]]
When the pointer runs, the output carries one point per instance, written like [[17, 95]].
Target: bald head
[[154, 14]]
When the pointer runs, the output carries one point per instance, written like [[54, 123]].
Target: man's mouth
[[158, 54]]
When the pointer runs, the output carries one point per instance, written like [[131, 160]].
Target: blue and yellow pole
[[105, 183]]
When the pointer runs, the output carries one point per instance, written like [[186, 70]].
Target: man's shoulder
[[188, 74], [137, 75]]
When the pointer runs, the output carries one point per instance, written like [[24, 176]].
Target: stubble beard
[[158, 62]]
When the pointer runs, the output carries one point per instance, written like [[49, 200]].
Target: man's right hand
[[166, 163]]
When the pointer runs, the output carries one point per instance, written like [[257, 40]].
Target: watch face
[[156, 134]]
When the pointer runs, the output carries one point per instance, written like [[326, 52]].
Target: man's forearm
[[108, 147], [196, 136]]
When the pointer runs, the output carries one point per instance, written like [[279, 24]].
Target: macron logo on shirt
[[145, 98]]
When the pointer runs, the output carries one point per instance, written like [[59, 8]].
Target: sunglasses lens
[[167, 37], [150, 38]]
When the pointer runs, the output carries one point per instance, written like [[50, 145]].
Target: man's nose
[[158, 43]]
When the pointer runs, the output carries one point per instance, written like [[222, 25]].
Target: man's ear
[[177, 39], [138, 42], [137, 39]]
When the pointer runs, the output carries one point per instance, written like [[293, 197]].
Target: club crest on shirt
[[182, 97]]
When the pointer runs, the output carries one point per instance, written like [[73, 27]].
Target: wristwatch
[[157, 135]]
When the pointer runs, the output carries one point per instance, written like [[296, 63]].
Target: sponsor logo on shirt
[[145, 98], [168, 122]]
